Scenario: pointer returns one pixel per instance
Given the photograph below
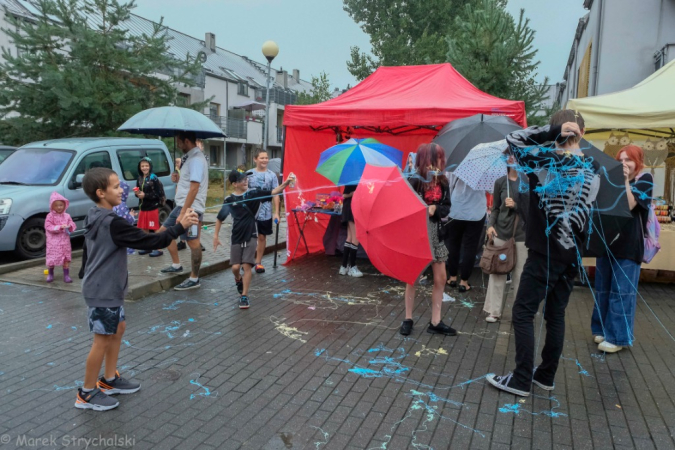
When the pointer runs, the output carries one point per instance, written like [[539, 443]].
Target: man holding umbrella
[[563, 186], [191, 192]]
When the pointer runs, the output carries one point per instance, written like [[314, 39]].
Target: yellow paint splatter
[[429, 351], [288, 331]]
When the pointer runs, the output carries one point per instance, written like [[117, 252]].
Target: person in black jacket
[[432, 186], [563, 186], [150, 193]]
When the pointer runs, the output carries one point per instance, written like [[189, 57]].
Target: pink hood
[[58, 197]]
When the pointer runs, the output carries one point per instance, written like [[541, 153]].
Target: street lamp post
[[270, 49]]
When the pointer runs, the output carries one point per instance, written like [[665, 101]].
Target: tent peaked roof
[[649, 104], [405, 95]]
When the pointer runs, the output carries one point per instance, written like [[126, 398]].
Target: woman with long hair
[[617, 274], [432, 186]]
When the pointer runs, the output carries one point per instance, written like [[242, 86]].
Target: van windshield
[[35, 166]]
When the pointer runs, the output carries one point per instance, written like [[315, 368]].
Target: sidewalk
[[144, 272], [317, 363]]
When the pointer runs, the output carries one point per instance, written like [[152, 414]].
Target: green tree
[[80, 72], [401, 32], [495, 53], [320, 91]]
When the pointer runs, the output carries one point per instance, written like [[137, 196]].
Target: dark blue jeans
[[616, 282]]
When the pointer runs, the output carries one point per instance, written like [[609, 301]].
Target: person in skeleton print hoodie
[[563, 186]]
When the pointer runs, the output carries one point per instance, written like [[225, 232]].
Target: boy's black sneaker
[[181, 245], [96, 400], [118, 386], [441, 328], [503, 382], [187, 284], [240, 285], [406, 327], [243, 302]]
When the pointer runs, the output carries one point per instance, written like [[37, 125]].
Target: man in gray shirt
[[191, 191]]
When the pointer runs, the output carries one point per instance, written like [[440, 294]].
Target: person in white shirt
[[191, 191]]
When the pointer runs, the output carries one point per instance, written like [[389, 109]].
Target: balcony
[[233, 128], [279, 96]]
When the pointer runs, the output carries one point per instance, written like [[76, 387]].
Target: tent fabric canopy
[[408, 95], [402, 107], [647, 105]]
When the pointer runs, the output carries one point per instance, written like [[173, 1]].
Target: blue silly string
[[516, 409], [207, 392]]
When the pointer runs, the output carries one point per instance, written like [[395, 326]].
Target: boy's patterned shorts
[[105, 320]]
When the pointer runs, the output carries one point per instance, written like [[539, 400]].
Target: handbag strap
[[515, 225]]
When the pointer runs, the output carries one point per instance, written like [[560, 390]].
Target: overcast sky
[[316, 35]]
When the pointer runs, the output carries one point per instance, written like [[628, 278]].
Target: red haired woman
[[617, 274], [431, 185]]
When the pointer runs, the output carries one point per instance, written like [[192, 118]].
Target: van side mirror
[[77, 183]]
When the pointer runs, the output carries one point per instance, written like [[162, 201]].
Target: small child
[[58, 225], [123, 211], [150, 193], [243, 205], [104, 285]]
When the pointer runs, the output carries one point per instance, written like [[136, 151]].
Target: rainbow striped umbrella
[[344, 163]]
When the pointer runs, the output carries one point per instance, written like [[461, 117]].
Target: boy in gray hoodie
[[104, 284]]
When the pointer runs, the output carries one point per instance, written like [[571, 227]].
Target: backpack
[[651, 232]]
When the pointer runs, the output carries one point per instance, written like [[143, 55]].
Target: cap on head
[[237, 175]]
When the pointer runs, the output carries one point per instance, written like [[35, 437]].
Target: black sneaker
[[503, 382], [187, 285], [240, 285], [96, 400], [117, 386], [441, 328], [243, 302], [172, 269], [545, 385], [181, 245], [406, 327]]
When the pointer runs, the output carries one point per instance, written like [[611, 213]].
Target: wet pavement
[[317, 363]]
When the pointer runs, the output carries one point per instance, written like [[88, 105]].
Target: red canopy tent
[[399, 106]]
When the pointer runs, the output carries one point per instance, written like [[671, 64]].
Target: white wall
[[631, 32], [4, 39], [254, 133]]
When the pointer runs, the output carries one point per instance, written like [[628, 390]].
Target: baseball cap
[[236, 176]]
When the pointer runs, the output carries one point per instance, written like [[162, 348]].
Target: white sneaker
[[598, 339], [491, 319], [343, 270], [609, 348], [354, 272]]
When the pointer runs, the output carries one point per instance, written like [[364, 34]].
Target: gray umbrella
[[168, 120], [274, 165], [459, 136]]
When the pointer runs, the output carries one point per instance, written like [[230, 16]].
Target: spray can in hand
[[291, 177]]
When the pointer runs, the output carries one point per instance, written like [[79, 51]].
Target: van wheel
[[164, 212], [32, 241]]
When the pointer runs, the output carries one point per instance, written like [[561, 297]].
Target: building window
[[243, 89], [214, 153], [214, 110], [584, 73], [183, 100]]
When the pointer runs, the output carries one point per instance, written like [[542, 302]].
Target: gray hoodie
[[104, 261]]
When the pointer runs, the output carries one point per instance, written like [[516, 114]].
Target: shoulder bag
[[500, 260]]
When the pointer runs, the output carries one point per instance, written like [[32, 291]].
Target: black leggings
[[463, 237]]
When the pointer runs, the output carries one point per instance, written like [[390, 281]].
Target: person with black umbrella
[[563, 186]]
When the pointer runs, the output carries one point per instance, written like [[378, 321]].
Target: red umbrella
[[391, 223]]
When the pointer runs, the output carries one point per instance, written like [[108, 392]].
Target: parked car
[[34, 171], [5, 151]]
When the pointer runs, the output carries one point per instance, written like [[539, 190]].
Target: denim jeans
[[616, 282], [551, 282]]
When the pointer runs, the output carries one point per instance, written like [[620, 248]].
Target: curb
[[11, 267], [167, 283]]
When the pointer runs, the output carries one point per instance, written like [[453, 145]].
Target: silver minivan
[[31, 173]]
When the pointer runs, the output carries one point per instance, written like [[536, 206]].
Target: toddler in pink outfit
[[58, 226]]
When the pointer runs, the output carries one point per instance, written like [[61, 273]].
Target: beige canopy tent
[[649, 105]]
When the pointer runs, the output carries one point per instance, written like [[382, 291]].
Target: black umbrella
[[610, 209], [459, 136]]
